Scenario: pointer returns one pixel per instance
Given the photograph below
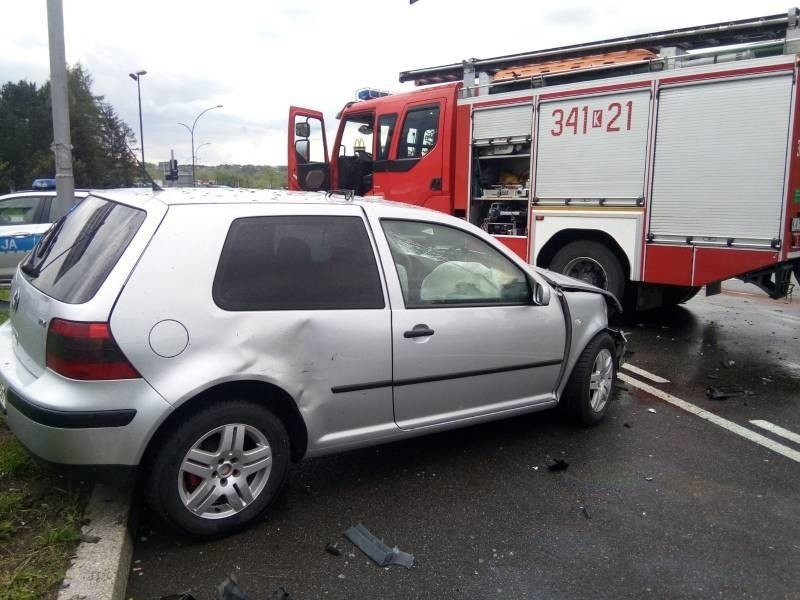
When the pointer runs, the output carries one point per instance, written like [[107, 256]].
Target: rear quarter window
[[73, 259], [297, 263]]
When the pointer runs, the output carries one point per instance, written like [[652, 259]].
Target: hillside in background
[[246, 176]]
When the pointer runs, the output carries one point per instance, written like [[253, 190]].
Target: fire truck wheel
[[591, 262], [678, 294]]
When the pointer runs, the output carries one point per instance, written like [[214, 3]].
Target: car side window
[[420, 131], [441, 265], [297, 263], [19, 211]]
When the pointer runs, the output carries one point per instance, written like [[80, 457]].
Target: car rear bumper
[[69, 422]]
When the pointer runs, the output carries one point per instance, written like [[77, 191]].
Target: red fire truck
[[649, 165]]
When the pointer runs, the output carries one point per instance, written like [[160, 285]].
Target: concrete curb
[[100, 570]]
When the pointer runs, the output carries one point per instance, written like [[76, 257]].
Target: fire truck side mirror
[[301, 147], [302, 130]]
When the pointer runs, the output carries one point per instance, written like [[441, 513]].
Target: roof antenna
[[153, 185]]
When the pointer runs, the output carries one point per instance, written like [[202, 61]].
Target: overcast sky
[[259, 57]]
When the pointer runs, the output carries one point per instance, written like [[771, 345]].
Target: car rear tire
[[591, 262], [219, 469], [591, 384]]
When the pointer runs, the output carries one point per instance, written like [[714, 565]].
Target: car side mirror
[[540, 293], [302, 129]]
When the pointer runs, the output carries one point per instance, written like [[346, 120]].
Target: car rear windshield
[[74, 257]]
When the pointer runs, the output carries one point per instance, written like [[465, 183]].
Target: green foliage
[[40, 520], [14, 459], [245, 176], [100, 139], [10, 504]]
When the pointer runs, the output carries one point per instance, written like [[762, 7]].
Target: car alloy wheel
[[224, 471], [601, 379]]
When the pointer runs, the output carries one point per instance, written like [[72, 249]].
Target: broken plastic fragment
[[722, 392], [651, 410], [333, 549], [376, 550], [230, 590]]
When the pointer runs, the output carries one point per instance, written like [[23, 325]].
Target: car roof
[[179, 196], [24, 193]]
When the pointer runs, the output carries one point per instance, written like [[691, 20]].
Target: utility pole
[[62, 147]]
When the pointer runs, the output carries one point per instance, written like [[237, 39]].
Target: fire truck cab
[[650, 165]]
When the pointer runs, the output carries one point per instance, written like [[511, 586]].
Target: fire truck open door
[[308, 163]]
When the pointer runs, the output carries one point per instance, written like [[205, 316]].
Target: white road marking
[[645, 374], [739, 293], [777, 430], [716, 419]]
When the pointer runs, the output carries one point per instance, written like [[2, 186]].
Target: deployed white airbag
[[459, 280]]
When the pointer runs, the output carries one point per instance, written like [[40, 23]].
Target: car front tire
[[219, 469], [591, 384]]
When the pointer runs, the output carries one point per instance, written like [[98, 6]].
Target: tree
[[101, 155]]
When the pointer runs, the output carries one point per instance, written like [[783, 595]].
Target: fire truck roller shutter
[[720, 160], [593, 147], [503, 122]]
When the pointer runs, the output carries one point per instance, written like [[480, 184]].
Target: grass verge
[[40, 520]]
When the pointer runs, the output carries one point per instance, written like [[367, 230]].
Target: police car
[[24, 217]]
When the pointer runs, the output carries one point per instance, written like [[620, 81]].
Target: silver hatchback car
[[211, 337]]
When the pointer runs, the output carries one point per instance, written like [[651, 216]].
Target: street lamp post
[[197, 150], [191, 131], [136, 77]]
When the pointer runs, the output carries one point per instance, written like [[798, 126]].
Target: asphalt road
[[676, 506]]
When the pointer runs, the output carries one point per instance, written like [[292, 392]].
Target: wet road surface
[[675, 505]]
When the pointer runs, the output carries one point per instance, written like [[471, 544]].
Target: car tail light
[[86, 351]]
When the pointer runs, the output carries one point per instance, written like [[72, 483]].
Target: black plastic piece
[[376, 550]]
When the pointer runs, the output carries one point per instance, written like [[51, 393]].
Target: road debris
[[376, 550], [183, 596], [558, 465], [333, 549], [648, 479], [230, 590], [651, 410], [722, 392], [89, 538], [728, 364], [627, 425], [585, 512]]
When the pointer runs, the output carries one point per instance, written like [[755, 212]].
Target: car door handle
[[418, 331]]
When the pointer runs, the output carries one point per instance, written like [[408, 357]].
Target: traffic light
[[173, 170]]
